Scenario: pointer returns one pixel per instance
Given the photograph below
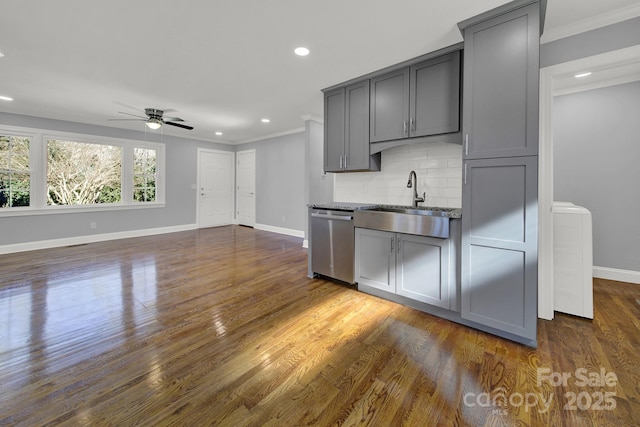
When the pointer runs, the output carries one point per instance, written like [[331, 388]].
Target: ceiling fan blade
[[128, 120], [173, 119], [179, 125], [134, 115]]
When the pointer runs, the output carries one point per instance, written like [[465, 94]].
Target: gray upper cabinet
[[420, 100], [434, 106], [389, 116], [501, 63], [334, 115], [346, 129]]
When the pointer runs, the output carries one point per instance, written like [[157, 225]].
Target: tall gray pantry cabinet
[[500, 151]]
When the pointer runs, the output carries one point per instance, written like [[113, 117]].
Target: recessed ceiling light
[[219, 133], [577, 76], [6, 98], [301, 51], [1, 54], [265, 120]]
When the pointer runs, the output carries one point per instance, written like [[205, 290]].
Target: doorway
[[550, 80], [215, 188], [246, 187]]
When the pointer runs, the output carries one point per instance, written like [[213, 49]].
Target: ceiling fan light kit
[[154, 119], [154, 124]]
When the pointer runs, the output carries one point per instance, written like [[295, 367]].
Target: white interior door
[[215, 188], [246, 187]]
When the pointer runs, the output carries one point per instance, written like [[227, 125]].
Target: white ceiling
[[223, 65]]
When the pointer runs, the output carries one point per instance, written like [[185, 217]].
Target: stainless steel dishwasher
[[332, 243]]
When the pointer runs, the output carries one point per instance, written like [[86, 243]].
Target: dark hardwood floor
[[222, 327]]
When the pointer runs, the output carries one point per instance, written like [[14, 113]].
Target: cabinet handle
[[346, 161], [405, 127], [466, 145], [340, 162], [413, 124], [465, 173], [392, 239]]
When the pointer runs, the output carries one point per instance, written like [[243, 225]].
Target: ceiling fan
[[154, 119]]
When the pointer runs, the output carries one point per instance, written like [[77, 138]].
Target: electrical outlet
[[283, 220], [92, 225]]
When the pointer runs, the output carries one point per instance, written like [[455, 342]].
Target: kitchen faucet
[[414, 183]]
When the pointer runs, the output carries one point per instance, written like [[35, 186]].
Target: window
[[144, 175], [53, 173], [15, 174], [80, 173]]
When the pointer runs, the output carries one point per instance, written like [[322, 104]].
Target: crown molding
[[602, 20]]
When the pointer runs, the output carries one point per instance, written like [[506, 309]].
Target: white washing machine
[[572, 259]]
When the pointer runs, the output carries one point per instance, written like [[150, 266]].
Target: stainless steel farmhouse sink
[[423, 221]]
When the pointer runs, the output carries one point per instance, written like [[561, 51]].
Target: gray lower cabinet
[[375, 260], [415, 101], [346, 130], [415, 267], [499, 245]]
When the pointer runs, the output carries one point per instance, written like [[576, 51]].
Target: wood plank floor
[[222, 327]]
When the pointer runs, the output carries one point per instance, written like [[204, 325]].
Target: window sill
[[49, 210]]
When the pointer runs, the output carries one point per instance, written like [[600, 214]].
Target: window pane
[[19, 184], [80, 173], [138, 181], [20, 154], [14, 171], [5, 195], [4, 152], [144, 179]]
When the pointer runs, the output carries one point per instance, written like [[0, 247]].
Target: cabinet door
[[422, 269], [499, 244], [334, 130], [357, 126], [389, 116], [435, 96], [500, 108], [375, 259]]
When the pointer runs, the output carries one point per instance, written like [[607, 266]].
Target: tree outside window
[[15, 175], [144, 174], [81, 173]]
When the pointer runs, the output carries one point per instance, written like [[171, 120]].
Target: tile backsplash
[[438, 166]]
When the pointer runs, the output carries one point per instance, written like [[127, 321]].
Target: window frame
[[38, 160], [30, 137]]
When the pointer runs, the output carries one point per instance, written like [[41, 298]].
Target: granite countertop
[[352, 207], [342, 206]]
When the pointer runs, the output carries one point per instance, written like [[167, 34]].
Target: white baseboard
[[280, 230], [305, 243], [628, 276], [78, 240]]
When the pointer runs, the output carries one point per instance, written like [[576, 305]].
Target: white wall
[[280, 182], [437, 165], [596, 152]]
